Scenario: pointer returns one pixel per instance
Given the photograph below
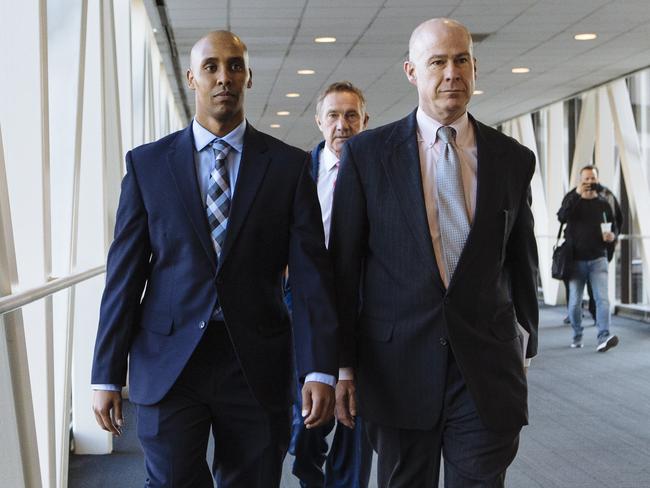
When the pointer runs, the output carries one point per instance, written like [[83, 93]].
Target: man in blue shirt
[[209, 218]]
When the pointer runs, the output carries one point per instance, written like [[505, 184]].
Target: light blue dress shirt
[[204, 159], [204, 163]]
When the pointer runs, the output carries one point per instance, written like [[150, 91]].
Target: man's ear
[[190, 79], [250, 79], [409, 69], [317, 120], [365, 121]]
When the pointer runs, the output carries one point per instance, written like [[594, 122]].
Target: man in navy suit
[[435, 264], [340, 114], [209, 217]]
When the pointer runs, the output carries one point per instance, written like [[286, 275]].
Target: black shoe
[[606, 343], [566, 320]]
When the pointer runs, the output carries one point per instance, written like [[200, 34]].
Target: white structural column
[[66, 41], [526, 135], [19, 465], [111, 129], [627, 141], [585, 138], [25, 126], [605, 160], [554, 293], [91, 216]]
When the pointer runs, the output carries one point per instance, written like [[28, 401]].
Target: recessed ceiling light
[[283, 112], [292, 95], [306, 72], [325, 40], [275, 126], [520, 70], [588, 36], [478, 92]]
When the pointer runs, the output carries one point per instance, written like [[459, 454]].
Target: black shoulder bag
[[562, 258]]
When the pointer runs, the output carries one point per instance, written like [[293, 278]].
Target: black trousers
[[212, 393], [474, 457]]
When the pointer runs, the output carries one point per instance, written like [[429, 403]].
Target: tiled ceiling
[[372, 39]]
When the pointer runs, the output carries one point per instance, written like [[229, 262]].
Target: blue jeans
[[595, 271]]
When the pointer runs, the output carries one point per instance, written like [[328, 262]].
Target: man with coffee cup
[[592, 230]]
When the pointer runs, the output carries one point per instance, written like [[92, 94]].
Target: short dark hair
[[589, 167], [341, 86]]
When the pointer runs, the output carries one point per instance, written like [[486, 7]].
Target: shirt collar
[[329, 158], [203, 137], [428, 128]]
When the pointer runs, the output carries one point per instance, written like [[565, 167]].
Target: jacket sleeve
[[522, 263], [127, 271], [568, 205], [348, 240], [312, 283]]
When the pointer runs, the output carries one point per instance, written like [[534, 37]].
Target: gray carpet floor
[[589, 418]]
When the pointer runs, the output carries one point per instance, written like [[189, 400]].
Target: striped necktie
[[218, 195]]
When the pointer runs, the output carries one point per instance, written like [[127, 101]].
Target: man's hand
[[317, 403], [346, 403], [107, 407], [585, 190], [608, 236]]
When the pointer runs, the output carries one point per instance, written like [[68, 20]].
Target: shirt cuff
[[524, 344], [107, 387], [328, 379], [346, 373]]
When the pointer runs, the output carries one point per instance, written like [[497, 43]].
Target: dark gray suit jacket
[[397, 321]]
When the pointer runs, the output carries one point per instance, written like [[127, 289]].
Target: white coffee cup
[[606, 227]]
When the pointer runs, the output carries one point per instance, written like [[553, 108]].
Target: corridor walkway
[[589, 415]]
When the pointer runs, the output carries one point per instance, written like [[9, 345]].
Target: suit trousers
[[474, 457], [212, 393], [348, 462]]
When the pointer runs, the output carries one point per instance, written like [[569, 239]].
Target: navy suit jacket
[[315, 160], [397, 319], [162, 241]]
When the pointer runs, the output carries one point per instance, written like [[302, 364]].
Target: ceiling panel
[[372, 41]]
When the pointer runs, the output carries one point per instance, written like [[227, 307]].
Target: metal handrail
[[12, 302]]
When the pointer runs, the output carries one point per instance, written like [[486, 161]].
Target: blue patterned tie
[[452, 214], [218, 196]]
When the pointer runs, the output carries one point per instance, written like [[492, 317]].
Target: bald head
[[429, 30], [215, 38], [441, 65]]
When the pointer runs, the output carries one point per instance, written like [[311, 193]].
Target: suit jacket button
[[443, 341], [202, 324]]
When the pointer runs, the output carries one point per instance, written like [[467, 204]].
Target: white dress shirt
[[328, 170]]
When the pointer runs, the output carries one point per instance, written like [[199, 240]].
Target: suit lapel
[[253, 165], [403, 168], [181, 164], [315, 160], [486, 181]]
